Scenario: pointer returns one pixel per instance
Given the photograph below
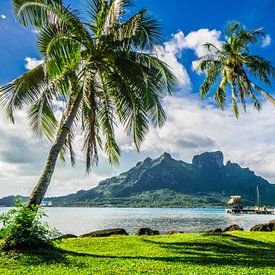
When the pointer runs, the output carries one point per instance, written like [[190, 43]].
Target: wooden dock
[[252, 211]]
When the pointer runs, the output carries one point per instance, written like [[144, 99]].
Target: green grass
[[234, 253]]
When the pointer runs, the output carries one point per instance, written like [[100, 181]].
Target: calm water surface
[[83, 220]]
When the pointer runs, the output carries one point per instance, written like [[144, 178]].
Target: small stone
[[272, 225], [216, 230], [105, 233], [66, 236], [233, 227], [147, 231], [172, 232]]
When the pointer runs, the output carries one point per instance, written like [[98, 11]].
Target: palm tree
[[232, 64], [102, 70]]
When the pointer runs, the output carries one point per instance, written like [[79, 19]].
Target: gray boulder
[[105, 233], [216, 230], [66, 236], [260, 227], [272, 225], [172, 232], [147, 231], [232, 227]]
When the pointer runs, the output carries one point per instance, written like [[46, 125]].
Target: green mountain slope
[[166, 182]]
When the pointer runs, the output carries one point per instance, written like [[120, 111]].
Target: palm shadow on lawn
[[226, 250]]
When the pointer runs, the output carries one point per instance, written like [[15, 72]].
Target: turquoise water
[[82, 220]]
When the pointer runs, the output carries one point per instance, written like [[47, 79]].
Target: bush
[[23, 228]]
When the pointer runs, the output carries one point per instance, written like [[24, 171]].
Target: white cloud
[[266, 41], [3, 16], [196, 40], [32, 63], [22, 158], [172, 50]]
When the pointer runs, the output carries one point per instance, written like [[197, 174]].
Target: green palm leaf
[[232, 64]]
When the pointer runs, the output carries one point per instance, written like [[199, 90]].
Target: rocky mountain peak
[[208, 160], [166, 155]]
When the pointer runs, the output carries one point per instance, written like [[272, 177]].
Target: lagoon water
[[82, 220]]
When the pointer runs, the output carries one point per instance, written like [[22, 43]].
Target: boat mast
[[258, 197]]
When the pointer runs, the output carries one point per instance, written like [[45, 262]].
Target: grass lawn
[[234, 253]]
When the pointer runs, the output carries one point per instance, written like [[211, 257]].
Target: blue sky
[[17, 42], [192, 126]]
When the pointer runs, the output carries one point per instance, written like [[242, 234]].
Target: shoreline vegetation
[[237, 252]]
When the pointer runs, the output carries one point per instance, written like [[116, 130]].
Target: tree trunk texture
[[41, 187]]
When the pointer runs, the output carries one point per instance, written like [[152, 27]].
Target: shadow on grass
[[222, 249], [50, 255], [210, 249]]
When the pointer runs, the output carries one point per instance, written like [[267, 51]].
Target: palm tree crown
[[232, 64], [102, 66]]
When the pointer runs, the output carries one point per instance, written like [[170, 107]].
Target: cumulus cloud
[[172, 50], [196, 40], [266, 41], [3, 16], [32, 63], [22, 158]]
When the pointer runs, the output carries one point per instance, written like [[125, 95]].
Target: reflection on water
[[83, 220]]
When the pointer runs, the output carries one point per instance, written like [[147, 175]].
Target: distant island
[[166, 182]]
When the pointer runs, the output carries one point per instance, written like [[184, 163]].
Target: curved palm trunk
[[264, 93], [41, 187]]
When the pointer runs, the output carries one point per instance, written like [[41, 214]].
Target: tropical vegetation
[[234, 66], [23, 228], [101, 72]]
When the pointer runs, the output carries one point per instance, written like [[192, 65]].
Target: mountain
[[166, 182]]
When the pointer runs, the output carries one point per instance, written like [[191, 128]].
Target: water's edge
[[80, 220]]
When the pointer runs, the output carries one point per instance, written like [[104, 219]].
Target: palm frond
[[23, 91], [263, 92], [234, 98], [214, 70], [220, 94], [142, 30], [41, 117], [90, 126], [107, 121]]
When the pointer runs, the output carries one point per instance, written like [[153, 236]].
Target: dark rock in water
[[106, 233], [260, 227], [147, 231], [66, 236], [271, 225], [232, 227], [172, 232], [217, 230]]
